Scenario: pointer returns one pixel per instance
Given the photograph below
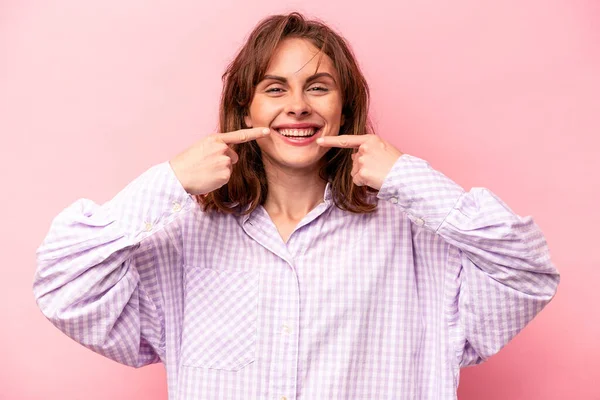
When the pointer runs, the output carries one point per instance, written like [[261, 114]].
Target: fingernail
[[320, 140], [266, 131]]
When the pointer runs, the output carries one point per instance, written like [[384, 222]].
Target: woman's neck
[[293, 193]]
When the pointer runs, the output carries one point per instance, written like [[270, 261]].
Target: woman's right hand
[[207, 164]]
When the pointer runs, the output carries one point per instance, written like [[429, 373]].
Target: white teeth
[[298, 132]]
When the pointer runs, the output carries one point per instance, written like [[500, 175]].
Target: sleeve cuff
[[425, 194], [150, 202]]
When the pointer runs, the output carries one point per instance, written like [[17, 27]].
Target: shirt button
[[419, 221], [394, 200], [148, 227], [283, 398], [286, 329], [176, 207]]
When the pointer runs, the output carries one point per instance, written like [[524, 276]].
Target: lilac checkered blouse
[[387, 305]]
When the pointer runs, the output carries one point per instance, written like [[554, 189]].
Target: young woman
[[296, 255]]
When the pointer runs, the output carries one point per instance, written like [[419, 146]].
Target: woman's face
[[298, 104]]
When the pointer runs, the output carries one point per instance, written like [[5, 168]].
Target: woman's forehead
[[295, 57]]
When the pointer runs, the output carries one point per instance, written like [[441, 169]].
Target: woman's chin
[[296, 162], [292, 157]]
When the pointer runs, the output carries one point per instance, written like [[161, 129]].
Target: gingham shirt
[[387, 305]]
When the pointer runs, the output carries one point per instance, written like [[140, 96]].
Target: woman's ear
[[342, 120], [248, 121]]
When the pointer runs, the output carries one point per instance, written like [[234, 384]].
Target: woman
[[296, 255]]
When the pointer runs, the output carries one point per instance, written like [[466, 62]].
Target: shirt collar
[[327, 199]]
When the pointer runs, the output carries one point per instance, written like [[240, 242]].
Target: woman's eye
[[314, 88]]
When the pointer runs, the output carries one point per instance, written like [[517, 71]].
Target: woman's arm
[[498, 272], [97, 277]]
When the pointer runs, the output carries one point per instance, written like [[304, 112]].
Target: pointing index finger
[[342, 140], [244, 135]]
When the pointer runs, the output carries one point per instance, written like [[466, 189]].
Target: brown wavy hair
[[248, 187]]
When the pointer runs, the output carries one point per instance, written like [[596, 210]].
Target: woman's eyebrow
[[309, 79]]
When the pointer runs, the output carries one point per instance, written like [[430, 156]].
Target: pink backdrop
[[504, 95]]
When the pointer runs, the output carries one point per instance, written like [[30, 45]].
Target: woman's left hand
[[373, 160]]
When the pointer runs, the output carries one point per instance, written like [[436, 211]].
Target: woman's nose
[[297, 105]]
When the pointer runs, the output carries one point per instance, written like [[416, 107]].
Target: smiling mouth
[[298, 133]]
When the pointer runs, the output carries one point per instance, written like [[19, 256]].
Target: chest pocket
[[220, 321]]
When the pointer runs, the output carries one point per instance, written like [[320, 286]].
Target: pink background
[[504, 95]]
